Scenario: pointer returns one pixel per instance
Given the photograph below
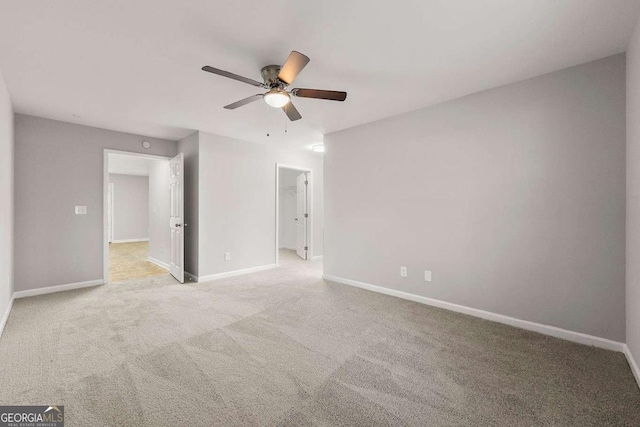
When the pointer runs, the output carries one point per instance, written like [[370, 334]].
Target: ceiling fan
[[276, 80]]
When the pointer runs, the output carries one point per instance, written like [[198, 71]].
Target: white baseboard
[[235, 273], [5, 317], [130, 240], [191, 277], [58, 288], [158, 263], [317, 258], [290, 248], [553, 331], [632, 364]]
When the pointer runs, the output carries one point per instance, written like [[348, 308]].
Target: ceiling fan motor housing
[[270, 75], [276, 79]]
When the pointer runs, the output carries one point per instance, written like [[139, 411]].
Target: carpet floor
[[284, 347]]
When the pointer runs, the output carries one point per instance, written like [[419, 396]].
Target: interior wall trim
[[144, 239], [553, 331], [159, 263], [5, 317], [58, 288], [211, 277], [632, 364]]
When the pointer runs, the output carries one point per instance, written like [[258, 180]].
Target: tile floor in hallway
[[129, 261]]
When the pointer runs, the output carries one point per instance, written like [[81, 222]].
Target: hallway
[[129, 261]]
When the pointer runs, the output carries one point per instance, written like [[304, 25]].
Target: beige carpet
[[284, 347], [129, 261]]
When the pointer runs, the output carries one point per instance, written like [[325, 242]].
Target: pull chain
[[286, 119], [268, 121]]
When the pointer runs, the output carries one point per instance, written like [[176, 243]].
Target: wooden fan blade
[[331, 95], [232, 76], [291, 111], [242, 102], [292, 67]]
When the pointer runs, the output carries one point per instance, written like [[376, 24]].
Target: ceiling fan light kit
[[277, 98], [276, 80]]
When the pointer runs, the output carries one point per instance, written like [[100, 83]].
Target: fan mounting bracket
[[270, 75]]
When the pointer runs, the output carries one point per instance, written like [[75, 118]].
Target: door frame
[[309, 172], [110, 194], [105, 208]]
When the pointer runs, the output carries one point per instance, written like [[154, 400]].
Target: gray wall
[[513, 197], [6, 197], [633, 195], [237, 182], [190, 147], [130, 207], [159, 210], [59, 165]]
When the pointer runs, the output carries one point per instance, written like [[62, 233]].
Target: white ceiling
[[129, 165], [135, 65]]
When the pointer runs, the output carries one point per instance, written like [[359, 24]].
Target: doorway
[[294, 222], [139, 216]]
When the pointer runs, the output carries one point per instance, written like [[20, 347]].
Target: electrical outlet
[[403, 271], [81, 210], [227, 256], [427, 275]]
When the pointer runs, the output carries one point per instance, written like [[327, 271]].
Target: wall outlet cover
[[427, 275], [227, 256], [403, 271]]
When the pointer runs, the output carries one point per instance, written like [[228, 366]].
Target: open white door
[[302, 216], [176, 183]]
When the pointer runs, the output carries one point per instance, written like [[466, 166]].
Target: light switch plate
[[81, 210], [427, 275], [227, 256]]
